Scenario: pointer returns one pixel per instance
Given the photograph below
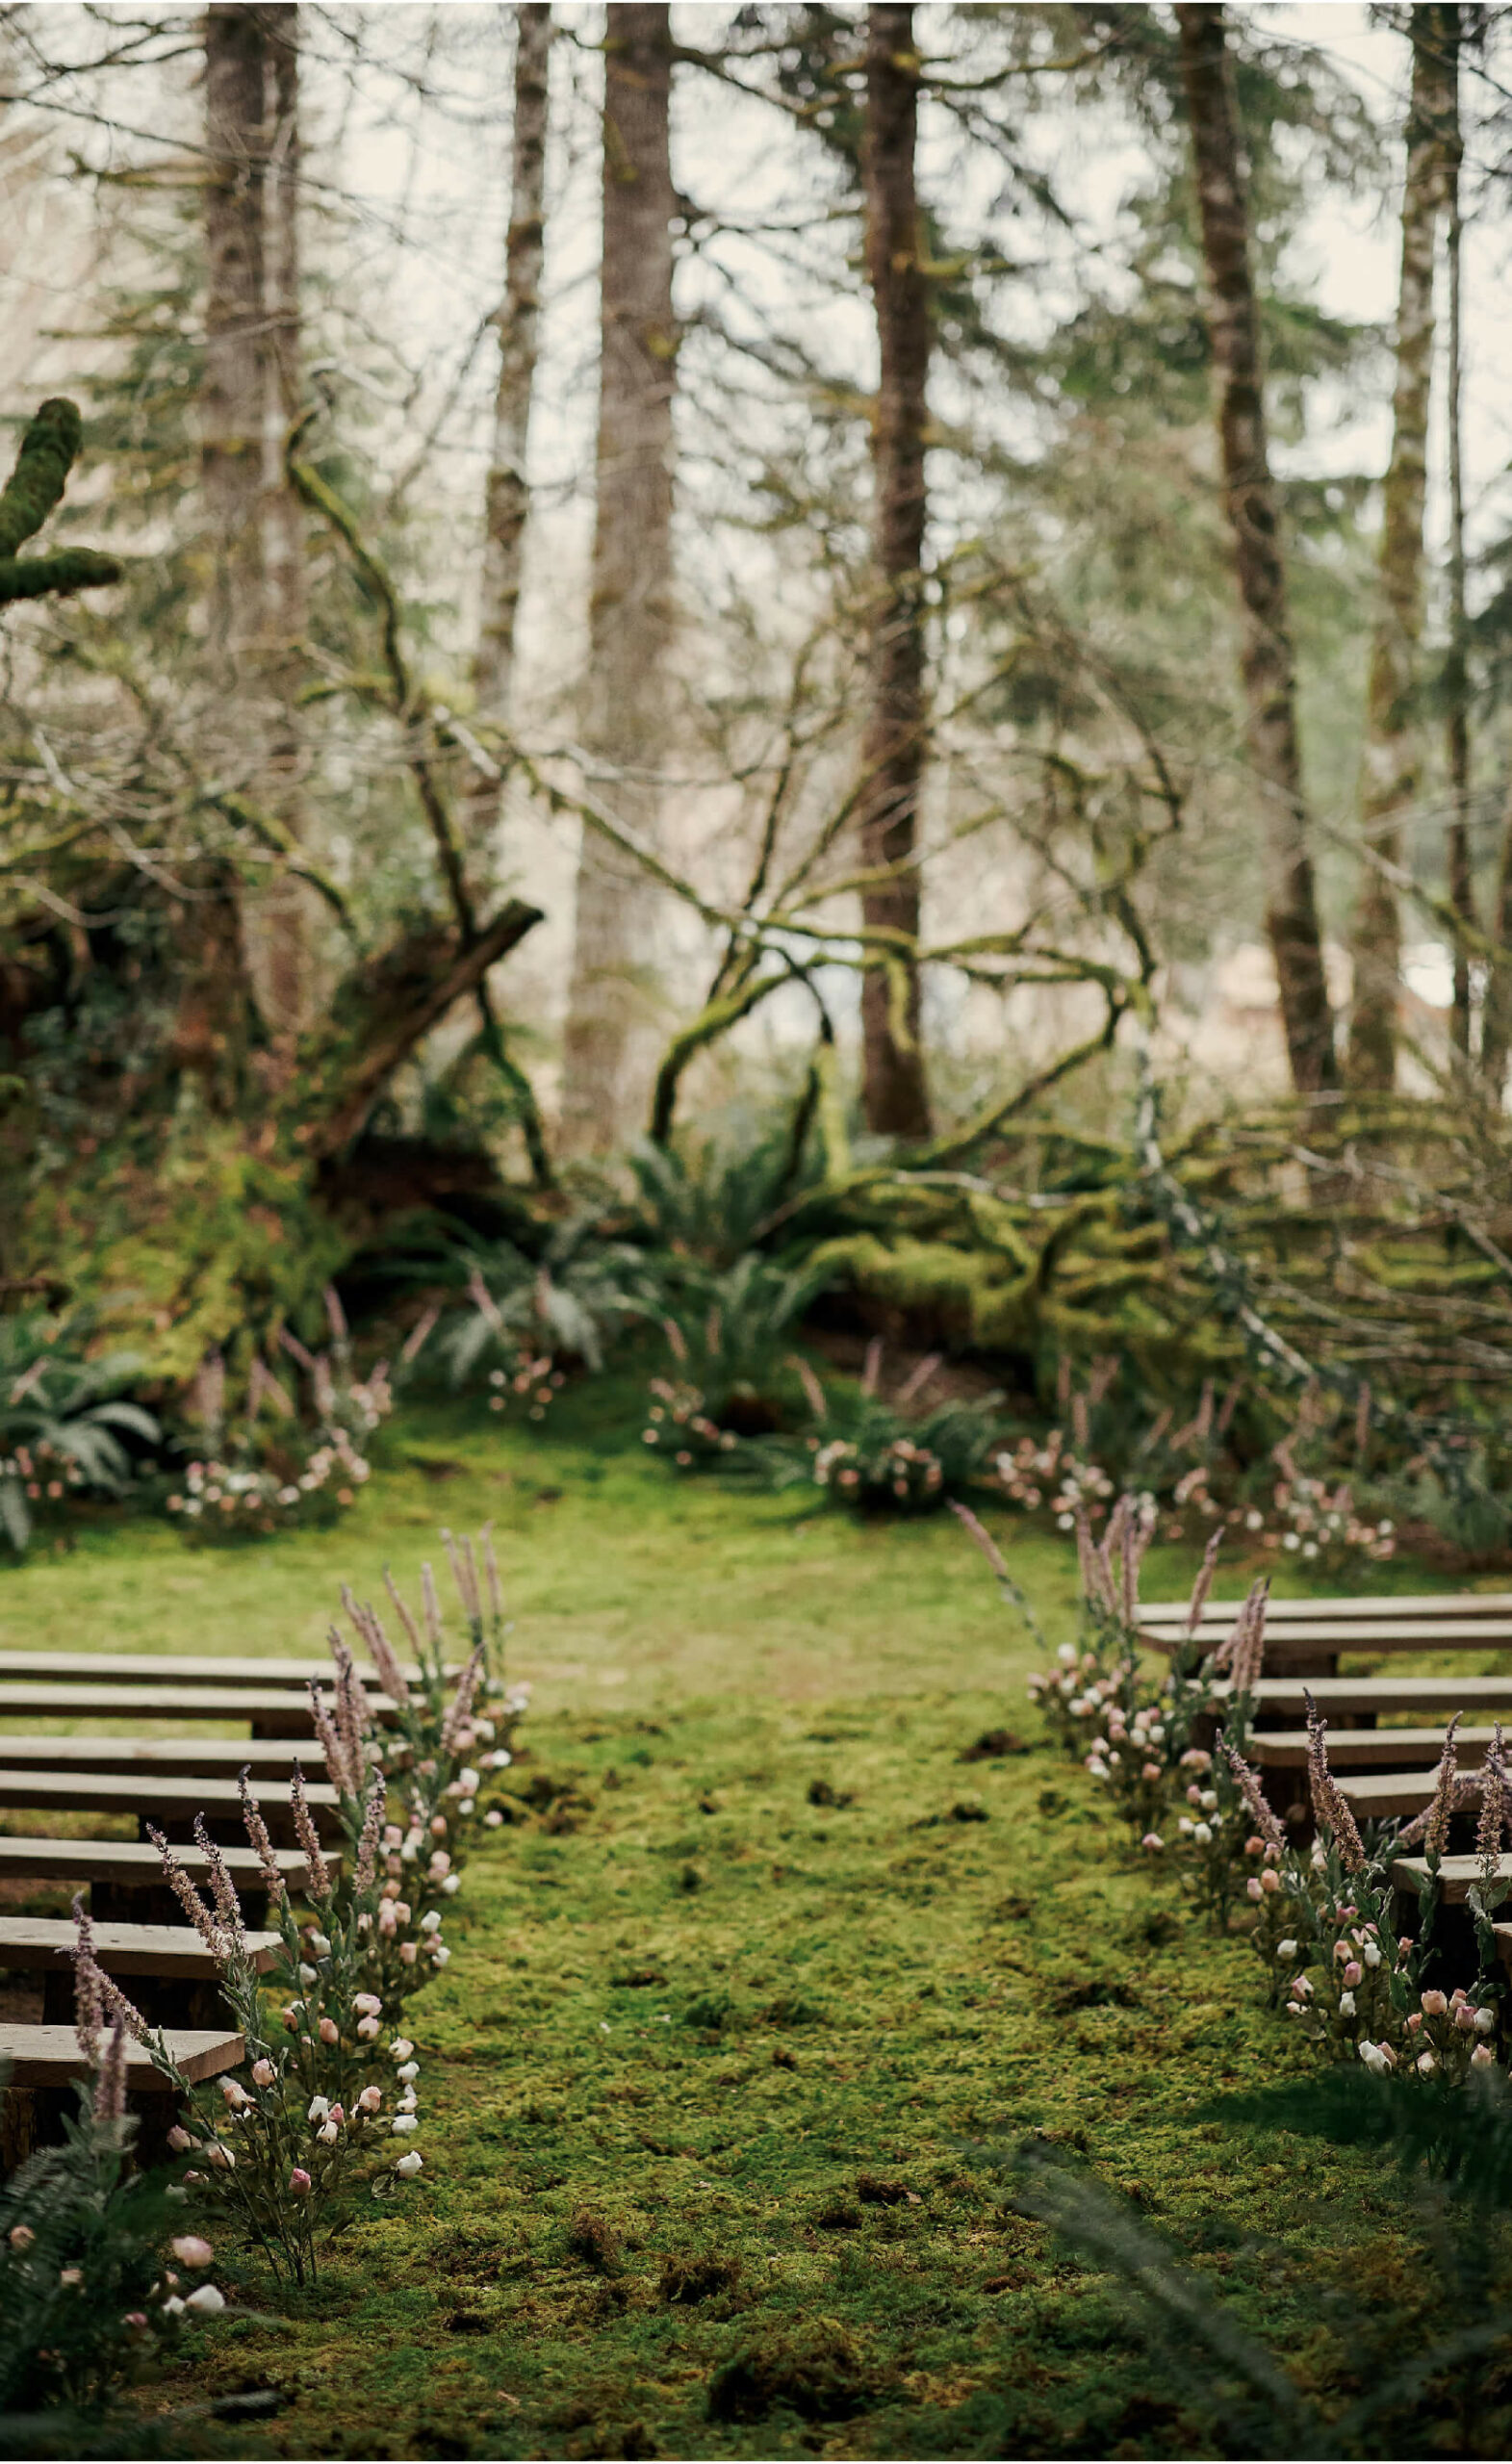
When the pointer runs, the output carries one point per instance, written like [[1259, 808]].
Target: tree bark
[[631, 609], [518, 323], [894, 1096], [1265, 656], [248, 394], [1456, 676], [1392, 737]]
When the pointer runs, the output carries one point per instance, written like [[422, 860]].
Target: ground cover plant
[[792, 1920]]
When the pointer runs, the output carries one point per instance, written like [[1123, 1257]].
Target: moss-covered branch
[[35, 488]]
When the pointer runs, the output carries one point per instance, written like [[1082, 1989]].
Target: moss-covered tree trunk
[[631, 625], [1393, 741], [894, 1096], [1266, 655]]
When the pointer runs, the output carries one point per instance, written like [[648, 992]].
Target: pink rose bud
[[291, 2019], [337, 2114], [369, 2027], [1253, 1845], [264, 2073], [1465, 2019], [369, 2100], [1273, 1853], [1193, 1795], [1341, 1950], [1435, 2003], [330, 2032], [134, 2319], [1270, 1882], [20, 2237], [1352, 1974], [1152, 1840], [1414, 2019], [437, 1826], [179, 2139], [1404, 1944], [368, 2004], [1253, 1887], [408, 1952], [299, 2181], [1482, 2058], [191, 2251], [1151, 1771]]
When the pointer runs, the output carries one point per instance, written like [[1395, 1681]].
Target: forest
[[755, 983]]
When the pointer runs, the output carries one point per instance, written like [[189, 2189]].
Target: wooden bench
[[200, 1668], [124, 1877], [1343, 1697], [271, 1713], [1457, 1874], [1308, 1635], [270, 1763], [1368, 1749], [148, 1668], [171, 1804], [1374, 1794], [44, 2060], [173, 1979]]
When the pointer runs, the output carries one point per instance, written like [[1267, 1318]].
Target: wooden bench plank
[[131, 1865], [1354, 1694], [201, 1668], [146, 1668], [1374, 1794], [43, 2057], [1397, 1605], [31, 1942], [1380, 1749], [1337, 1634], [269, 1763], [164, 1802], [278, 1713], [1457, 1874]]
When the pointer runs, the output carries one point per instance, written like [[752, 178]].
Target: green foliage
[[81, 2238], [62, 1419], [732, 1332]]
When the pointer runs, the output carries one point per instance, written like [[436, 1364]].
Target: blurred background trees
[[843, 573]]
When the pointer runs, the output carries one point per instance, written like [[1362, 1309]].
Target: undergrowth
[[796, 1918]]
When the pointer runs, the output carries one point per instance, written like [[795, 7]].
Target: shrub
[[63, 1422]]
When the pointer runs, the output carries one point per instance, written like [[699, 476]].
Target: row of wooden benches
[[1382, 1771], [139, 1931]]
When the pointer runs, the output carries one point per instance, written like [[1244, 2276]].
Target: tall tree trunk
[[287, 912], [1266, 654], [517, 322], [1456, 678], [506, 500], [894, 1096], [1392, 735], [248, 394], [631, 613]]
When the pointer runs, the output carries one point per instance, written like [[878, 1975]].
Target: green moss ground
[[701, 2082]]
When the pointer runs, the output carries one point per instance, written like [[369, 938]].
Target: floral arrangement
[[1170, 1752], [1188, 1474], [282, 1469]]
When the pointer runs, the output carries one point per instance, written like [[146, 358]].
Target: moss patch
[[700, 2175]]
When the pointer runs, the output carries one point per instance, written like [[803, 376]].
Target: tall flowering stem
[[1329, 1809]]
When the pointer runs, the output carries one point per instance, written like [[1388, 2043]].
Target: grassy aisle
[[777, 1943]]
